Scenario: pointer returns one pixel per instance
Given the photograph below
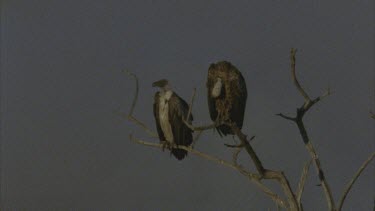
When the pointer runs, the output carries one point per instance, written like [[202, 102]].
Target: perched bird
[[226, 95], [169, 109]]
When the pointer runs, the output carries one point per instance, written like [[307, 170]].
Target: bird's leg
[[168, 145], [164, 145]]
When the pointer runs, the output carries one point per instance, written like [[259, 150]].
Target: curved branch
[[136, 92], [302, 181], [354, 179], [191, 105], [293, 52], [130, 116]]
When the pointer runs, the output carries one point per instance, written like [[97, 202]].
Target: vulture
[[226, 96], [169, 109]]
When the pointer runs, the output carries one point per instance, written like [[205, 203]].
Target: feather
[[177, 109], [231, 103], [182, 134]]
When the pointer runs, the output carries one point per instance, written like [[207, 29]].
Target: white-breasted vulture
[[169, 109], [227, 95]]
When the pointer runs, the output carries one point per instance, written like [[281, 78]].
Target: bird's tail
[[179, 153]]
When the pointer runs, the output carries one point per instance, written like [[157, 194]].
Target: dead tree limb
[[353, 180], [301, 184], [308, 103], [256, 178], [191, 105], [130, 115]]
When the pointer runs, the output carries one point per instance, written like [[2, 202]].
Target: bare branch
[[236, 152], [201, 128], [271, 194], [251, 176], [302, 182], [325, 94], [286, 117], [196, 138], [266, 173], [310, 148], [308, 103], [136, 92], [245, 143], [191, 104], [283, 181], [198, 153], [353, 180], [293, 52], [141, 124], [137, 122], [130, 116]]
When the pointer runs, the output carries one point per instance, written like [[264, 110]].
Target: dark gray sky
[[62, 146]]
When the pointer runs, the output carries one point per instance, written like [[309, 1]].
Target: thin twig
[[236, 152], [196, 138], [201, 128], [302, 182], [141, 124], [136, 92], [191, 104], [286, 117], [293, 52], [352, 181], [130, 116], [271, 194], [234, 145]]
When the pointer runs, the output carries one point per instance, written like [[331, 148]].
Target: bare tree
[[291, 199]]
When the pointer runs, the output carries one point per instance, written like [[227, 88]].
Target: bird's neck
[[166, 94]]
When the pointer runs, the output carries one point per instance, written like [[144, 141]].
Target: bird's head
[[163, 84]]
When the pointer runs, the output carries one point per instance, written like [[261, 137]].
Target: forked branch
[[130, 115], [298, 119]]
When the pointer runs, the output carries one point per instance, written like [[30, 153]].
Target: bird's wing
[[179, 109], [239, 101], [156, 115]]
